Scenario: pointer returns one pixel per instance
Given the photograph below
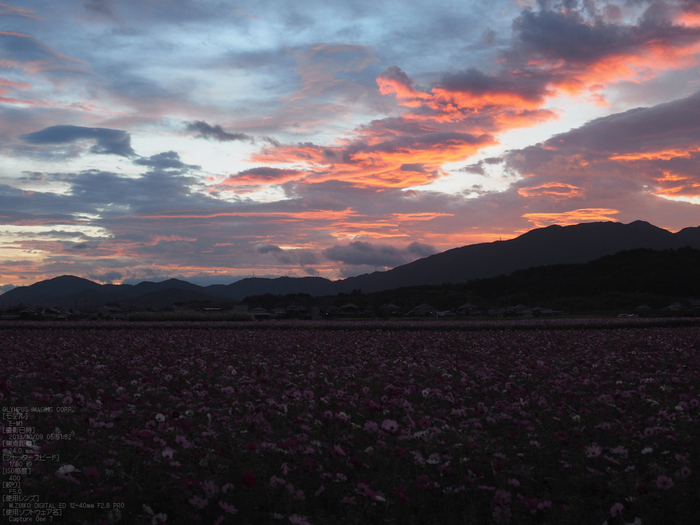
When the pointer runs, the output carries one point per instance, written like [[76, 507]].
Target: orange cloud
[[405, 92], [672, 185], [648, 62], [373, 162], [541, 220], [664, 154], [691, 19], [292, 215], [552, 190], [412, 217]]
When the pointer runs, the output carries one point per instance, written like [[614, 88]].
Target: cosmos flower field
[[369, 424]]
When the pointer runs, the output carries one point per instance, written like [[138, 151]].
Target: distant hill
[[553, 245]]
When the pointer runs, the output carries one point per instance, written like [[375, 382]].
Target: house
[[349, 309], [110, 313], [295, 311], [259, 313], [538, 311], [467, 309], [390, 309], [423, 310]]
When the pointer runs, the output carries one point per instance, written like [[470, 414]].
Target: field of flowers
[[187, 424]]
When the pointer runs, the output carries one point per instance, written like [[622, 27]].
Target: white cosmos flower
[[159, 518], [67, 469]]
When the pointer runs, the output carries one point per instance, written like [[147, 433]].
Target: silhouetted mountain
[[624, 280], [633, 273], [51, 292], [553, 245], [546, 246], [279, 286]]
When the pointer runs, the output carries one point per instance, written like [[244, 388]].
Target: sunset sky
[[213, 140]]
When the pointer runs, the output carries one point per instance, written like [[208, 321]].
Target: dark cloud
[[359, 253], [476, 168], [265, 174], [530, 86], [84, 246], [107, 141], [152, 191], [420, 249], [421, 142], [268, 248], [396, 74], [666, 126], [566, 34], [168, 160], [100, 7], [303, 258], [418, 168], [107, 277], [216, 132], [6, 288]]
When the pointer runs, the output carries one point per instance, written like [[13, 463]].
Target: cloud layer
[[196, 140]]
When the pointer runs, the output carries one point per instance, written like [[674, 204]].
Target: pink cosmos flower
[[93, 473], [183, 441], [275, 481], [502, 497], [664, 482], [616, 509], [210, 488], [424, 482], [198, 501], [685, 472], [248, 480], [390, 426], [371, 426], [228, 508], [593, 451]]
